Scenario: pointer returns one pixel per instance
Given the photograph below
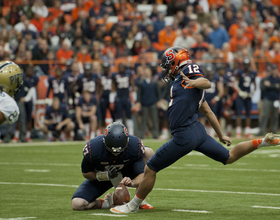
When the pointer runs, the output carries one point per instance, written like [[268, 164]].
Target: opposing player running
[[10, 84], [186, 98]]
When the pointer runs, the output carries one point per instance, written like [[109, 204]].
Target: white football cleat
[[272, 139], [145, 205], [124, 209]]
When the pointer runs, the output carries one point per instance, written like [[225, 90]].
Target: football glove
[[112, 172]]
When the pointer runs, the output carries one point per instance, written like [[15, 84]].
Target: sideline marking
[[39, 171], [186, 210], [111, 215], [19, 218], [265, 207], [159, 189]]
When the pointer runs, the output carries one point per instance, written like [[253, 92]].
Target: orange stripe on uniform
[[184, 85], [256, 142], [195, 75], [90, 152]]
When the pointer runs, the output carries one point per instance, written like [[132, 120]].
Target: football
[[121, 195]]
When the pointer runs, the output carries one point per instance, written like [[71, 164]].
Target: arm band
[[102, 176]]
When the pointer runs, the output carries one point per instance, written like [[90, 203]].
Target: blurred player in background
[[11, 79], [270, 87], [30, 92], [57, 121], [58, 85], [187, 97], [120, 95], [109, 159], [106, 80], [212, 95], [244, 79], [86, 114], [231, 94]]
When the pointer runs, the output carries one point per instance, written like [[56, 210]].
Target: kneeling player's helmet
[[10, 78], [172, 59], [115, 138]]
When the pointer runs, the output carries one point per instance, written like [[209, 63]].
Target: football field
[[37, 181]]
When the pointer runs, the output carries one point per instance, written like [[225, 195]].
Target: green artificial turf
[[194, 183]]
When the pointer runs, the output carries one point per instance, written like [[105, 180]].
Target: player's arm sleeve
[[87, 163], [9, 109], [30, 94]]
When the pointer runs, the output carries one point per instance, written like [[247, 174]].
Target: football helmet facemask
[[10, 78], [172, 59], [116, 138]]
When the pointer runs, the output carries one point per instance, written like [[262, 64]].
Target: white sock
[[62, 135], [229, 128], [130, 126], [16, 134], [119, 120], [87, 128], [105, 205], [92, 134], [49, 134], [238, 130], [247, 130], [135, 202], [211, 132], [28, 134]]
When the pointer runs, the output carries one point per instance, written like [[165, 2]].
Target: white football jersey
[[9, 108]]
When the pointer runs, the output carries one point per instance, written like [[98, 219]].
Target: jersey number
[[193, 68], [118, 166], [247, 81]]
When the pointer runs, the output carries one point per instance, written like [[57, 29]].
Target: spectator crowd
[[101, 61]]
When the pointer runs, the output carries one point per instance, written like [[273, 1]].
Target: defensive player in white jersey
[[10, 84]]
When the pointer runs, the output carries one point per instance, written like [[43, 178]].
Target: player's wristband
[[102, 176], [217, 98]]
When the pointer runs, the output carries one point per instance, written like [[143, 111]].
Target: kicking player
[[187, 97], [10, 84], [109, 159]]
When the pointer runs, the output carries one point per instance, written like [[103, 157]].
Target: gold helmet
[[10, 78]]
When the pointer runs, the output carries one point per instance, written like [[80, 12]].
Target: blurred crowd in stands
[[99, 60]]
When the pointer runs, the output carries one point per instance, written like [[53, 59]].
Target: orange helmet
[[172, 59]]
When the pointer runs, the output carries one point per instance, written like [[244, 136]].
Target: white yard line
[[38, 171], [228, 169], [42, 164], [19, 218], [110, 215], [187, 166], [265, 207], [186, 210], [158, 189]]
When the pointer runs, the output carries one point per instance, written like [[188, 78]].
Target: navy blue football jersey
[[122, 83], [57, 116], [70, 79], [96, 156], [85, 83], [246, 79], [86, 106], [213, 91], [229, 80], [29, 83], [107, 86], [58, 87], [184, 103]]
